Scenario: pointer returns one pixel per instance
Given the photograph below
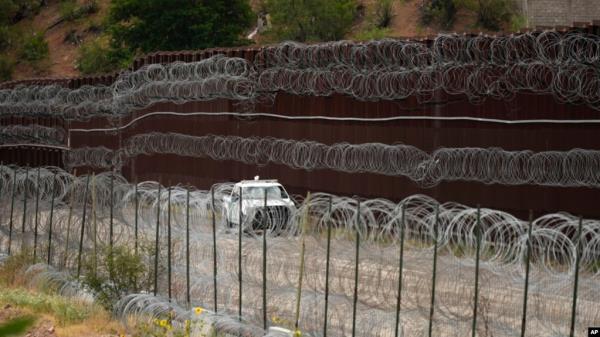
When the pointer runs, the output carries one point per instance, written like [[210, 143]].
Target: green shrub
[[8, 10], [493, 13], [67, 311], [16, 326], [69, 10], [372, 33], [16, 10], [35, 48], [5, 38], [96, 57], [518, 22], [384, 13], [115, 273], [311, 20], [441, 12], [11, 270], [145, 26]]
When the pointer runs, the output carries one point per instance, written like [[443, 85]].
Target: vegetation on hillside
[[106, 35], [491, 14], [38, 308], [310, 20]]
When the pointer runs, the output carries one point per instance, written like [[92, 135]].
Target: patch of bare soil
[[64, 39]]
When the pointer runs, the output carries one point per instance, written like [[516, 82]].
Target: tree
[[153, 25], [311, 20]]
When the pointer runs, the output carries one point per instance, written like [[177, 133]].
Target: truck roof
[[261, 182]]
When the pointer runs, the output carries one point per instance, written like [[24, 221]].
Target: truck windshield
[[258, 192]]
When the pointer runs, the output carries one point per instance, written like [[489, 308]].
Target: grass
[[71, 316], [66, 311]]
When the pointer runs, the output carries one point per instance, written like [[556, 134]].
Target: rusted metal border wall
[[426, 135]]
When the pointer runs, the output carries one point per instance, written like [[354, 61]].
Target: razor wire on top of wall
[[563, 65], [126, 214], [38, 134], [577, 167]]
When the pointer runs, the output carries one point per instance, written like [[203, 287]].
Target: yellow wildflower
[[163, 322], [297, 333], [198, 310]]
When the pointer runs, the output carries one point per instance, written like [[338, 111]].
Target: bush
[[116, 273], [518, 22], [493, 13], [311, 20], [441, 12], [146, 26], [16, 326], [67, 311], [13, 268], [69, 10], [35, 48], [16, 10], [96, 57], [384, 13], [5, 38], [373, 33], [8, 10]]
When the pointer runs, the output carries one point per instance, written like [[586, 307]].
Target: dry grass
[[69, 316]]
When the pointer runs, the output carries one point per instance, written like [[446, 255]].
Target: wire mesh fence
[[325, 265]]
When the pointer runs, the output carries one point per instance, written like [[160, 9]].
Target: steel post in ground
[[400, 272], [527, 262], [327, 262], [434, 272], [50, 221], [85, 197]]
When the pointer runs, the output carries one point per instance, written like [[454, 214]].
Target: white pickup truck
[[279, 206]]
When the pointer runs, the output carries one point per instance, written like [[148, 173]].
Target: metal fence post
[[301, 271], [136, 201], [50, 220], [240, 254], [12, 208], [264, 262], [478, 249], [169, 241], [156, 245], [526, 290], [214, 237], [575, 286], [37, 208], [327, 266], [400, 269], [356, 267], [69, 220], [85, 196], [435, 245], [111, 200], [187, 248], [24, 220]]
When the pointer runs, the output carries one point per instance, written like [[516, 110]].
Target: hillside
[[65, 37]]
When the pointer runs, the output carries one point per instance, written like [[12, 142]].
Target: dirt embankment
[[66, 37]]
